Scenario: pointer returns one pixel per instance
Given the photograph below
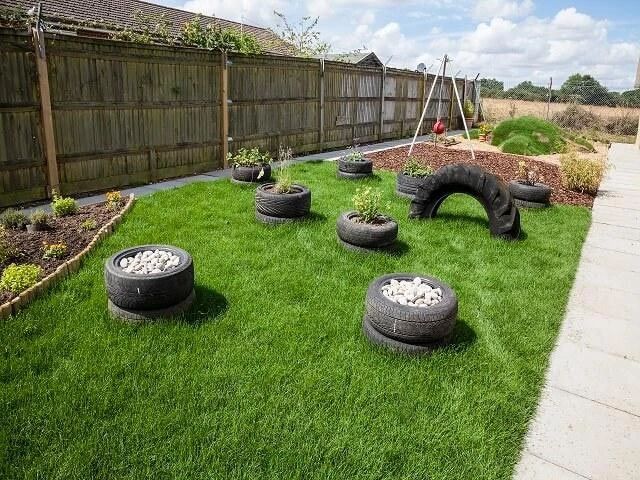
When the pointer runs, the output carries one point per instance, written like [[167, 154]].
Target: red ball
[[438, 128]]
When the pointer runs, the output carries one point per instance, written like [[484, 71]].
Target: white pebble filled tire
[[151, 291], [411, 324]]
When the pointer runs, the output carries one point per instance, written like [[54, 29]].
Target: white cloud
[[256, 12], [488, 9]]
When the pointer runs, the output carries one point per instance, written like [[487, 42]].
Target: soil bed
[[503, 165], [29, 246]]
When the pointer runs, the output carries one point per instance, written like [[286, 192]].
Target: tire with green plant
[[407, 186], [353, 232], [489, 190], [530, 196], [254, 174], [275, 207], [410, 324], [156, 291], [355, 166]]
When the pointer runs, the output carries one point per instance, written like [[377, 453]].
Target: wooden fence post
[[450, 121], [424, 97], [321, 130], [224, 109], [384, 78], [53, 177]]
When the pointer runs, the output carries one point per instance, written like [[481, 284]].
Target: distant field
[[497, 109]]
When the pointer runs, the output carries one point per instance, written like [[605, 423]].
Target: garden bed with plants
[[58, 238], [504, 166], [268, 375]]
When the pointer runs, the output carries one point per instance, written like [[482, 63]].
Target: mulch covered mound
[[503, 165], [29, 247]]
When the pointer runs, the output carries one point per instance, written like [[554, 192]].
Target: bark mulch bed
[[503, 165], [29, 247]]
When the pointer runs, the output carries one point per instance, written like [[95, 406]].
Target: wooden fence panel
[[22, 163], [128, 114]]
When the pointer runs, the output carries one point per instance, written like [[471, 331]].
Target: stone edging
[[67, 268]]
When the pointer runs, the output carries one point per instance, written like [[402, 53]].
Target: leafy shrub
[[474, 133], [114, 200], [468, 108], [249, 158], [367, 203], [485, 128], [354, 155], [215, 38], [581, 174], [39, 218], [63, 206], [11, 218], [17, 278], [527, 174], [88, 225], [6, 249], [284, 183], [576, 118], [54, 250], [621, 125], [528, 136], [414, 168]]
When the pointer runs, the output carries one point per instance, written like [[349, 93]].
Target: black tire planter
[[273, 207], [489, 190], [355, 169], [409, 329], [141, 316], [407, 186], [530, 196], [153, 295], [245, 175], [362, 236], [34, 227]]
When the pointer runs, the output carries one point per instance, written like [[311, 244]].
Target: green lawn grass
[[269, 376]]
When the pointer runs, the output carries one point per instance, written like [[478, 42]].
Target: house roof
[[369, 58], [119, 14]]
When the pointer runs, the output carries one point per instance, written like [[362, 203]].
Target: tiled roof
[[119, 14], [358, 58]]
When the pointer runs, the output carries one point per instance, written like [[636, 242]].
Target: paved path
[[588, 421], [145, 190]]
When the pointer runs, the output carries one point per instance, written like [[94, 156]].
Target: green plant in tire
[[413, 168], [527, 174], [17, 278], [249, 158], [284, 180], [366, 202], [354, 155]]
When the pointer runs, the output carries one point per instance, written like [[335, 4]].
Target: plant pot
[[530, 196], [246, 175], [355, 169], [482, 137], [140, 297], [361, 236], [409, 329], [273, 207], [34, 227], [469, 122], [407, 186]]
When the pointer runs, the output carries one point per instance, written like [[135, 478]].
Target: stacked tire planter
[[407, 186], [409, 329], [251, 175], [274, 208], [355, 169], [142, 297], [530, 196], [366, 237]]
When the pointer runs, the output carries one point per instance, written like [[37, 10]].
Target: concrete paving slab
[[608, 257], [608, 241], [599, 274], [587, 372], [607, 301], [616, 216], [534, 468], [615, 336], [585, 437]]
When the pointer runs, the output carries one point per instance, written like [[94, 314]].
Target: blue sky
[[512, 40]]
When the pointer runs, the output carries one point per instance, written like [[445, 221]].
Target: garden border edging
[[72, 265]]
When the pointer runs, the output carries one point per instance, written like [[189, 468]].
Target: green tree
[[586, 90], [527, 91], [303, 36], [630, 98], [492, 88]]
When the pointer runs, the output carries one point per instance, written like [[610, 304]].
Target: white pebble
[[413, 293], [149, 262]]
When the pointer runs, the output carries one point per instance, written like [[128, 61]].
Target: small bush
[[528, 136], [474, 133], [88, 225], [6, 249], [367, 203], [580, 174], [414, 168], [114, 200], [249, 158], [354, 155], [39, 218], [17, 278], [11, 218], [468, 108], [621, 125], [63, 206], [576, 118], [54, 250]]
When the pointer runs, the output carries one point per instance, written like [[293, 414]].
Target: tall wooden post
[[53, 178], [384, 79], [638, 134], [321, 129], [424, 96], [224, 109]]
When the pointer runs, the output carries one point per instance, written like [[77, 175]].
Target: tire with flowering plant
[[253, 174], [407, 186], [536, 195], [362, 236], [275, 207]]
